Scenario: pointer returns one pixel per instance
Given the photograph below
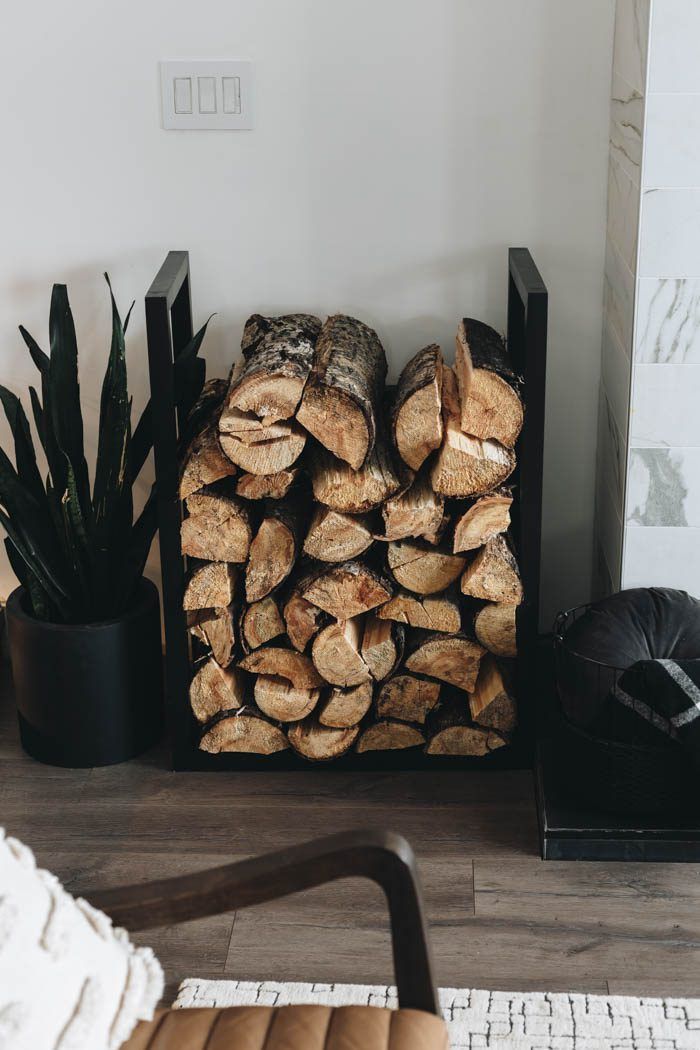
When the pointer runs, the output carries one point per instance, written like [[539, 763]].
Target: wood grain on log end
[[346, 590], [261, 622], [417, 412], [282, 701], [493, 574], [407, 698], [421, 568], [286, 663], [319, 743], [214, 689], [336, 653], [244, 733], [491, 407], [491, 704], [487, 517], [495, 627], [336, 537], [266, 486], [217, 528], [389, 736], [344, 708], [439, 612], [450, 658], [210, 585]]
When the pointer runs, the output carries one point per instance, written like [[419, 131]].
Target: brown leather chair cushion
[[291, 1028]]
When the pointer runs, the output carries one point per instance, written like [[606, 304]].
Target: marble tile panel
[[626, 122], [665, 407], [618, 296], [663, 487], [662, 558], [611, 451], [623, 213], [616, 371], [673, 47], [631, 41], [669, 236], [671, 141], [668, 321], [608, 524]]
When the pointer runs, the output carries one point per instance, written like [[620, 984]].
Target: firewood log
[[389, 736], [423, 569], [218, 526], [275, 547], [451, 731], [320, 743], [260, 623], [247, 732], [266, 486], [347, 590], [382, 646], [344, 708], [216, 629], [491, 704], [487, 517], [302, 618], [417, 411], [439, 612], [493, 574], [278, 353], [336, 656], [285, 663], [417, 512], [214, 689], [343, 393], [489, 389], [334, 536], [260, 449], [210, 585], [279, 699], [407, 698], [495, 628], [204, 461], [466, 465], [451, 658], [339, 487]]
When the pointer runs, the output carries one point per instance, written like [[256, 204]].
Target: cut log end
[[450, 658], [486, 518], [491, 703], [407, 698], [418, 567], [336, 537], [216, 629], [284, 663], [217, 527], [417, 414], [382, 646], [493, 574], [389, 736], [261, 622], [279, 699], [336, 653], [214, 689], [438, 612], [303, 620], [272, 555], [345, 708], [319, 743], [495, 628], [210, 585], [490, 402], [245, 733], [347, 590], [266, 486]]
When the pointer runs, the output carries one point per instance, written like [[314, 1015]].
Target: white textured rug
[[480, 1020]]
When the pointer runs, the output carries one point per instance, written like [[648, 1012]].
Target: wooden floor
[[499, 917]]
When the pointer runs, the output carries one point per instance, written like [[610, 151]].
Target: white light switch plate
[[207, 96]]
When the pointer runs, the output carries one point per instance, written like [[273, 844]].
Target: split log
[[487, 517], [214, 689], [489, 389], [260, 623], [285, 663], [302, 618], [279, 699], [417, 512], [339, 487], [451, 658], [336, 653], [266, 486], [418, 567], [417, 411], [452, 732], [278, 353], [343, 393], [495, 628], [204, 461], [320, 743], [260, 449], [407, 698], [434, 613], [493, 574], [345, 708], [210, 585], [217, 630], [247, 733], [389, 736], [347, 590], [382, 646], [466, 465], [491, 704], [334, 536], [274, 550], [218, 527]]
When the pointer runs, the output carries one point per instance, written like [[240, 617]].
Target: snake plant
[[80, 552]]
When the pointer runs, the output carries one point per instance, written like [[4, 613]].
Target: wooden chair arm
[[385, 858]]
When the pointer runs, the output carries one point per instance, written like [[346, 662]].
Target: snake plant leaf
[[62, 397], [136, 554], [128, 316], [112, 488], [40, 359], [79, 541], [34, 560], [38, 414], [25, 456], [42, 606]]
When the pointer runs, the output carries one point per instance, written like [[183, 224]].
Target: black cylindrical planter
[[88, 694]]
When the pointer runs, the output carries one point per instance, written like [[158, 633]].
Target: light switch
[[207, 96]]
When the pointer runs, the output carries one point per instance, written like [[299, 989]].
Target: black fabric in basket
[[666, 694]]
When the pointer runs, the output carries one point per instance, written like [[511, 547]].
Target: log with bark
[[260, 623], [275, 547], [266, 486], [302, 618], [204, 461], [347, 590], [451, 658], [278, 354], [319, 743], [218, 526], [217, 629], [260, 449], [492, 704], [214, 689], [344, 708], [452, 732], [416, 513], [466, 465], [342, 396], [389, 736], [336, 653], [493, 574], [382, 646], [421, 568], [341, 488], [210, 585], [495, 628], [407, 698], [246, 732], [279, 699], [439, 612], [285, 663], [487, 517], [489, 389], [417, 412], [334, 536]]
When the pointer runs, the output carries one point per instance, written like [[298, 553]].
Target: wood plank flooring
[[500, 917]]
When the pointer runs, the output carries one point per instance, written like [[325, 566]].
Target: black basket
[[599, 768]]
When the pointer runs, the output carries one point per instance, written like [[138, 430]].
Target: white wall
[[401, 146]]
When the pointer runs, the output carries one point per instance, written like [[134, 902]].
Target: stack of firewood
[[351, 582]]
